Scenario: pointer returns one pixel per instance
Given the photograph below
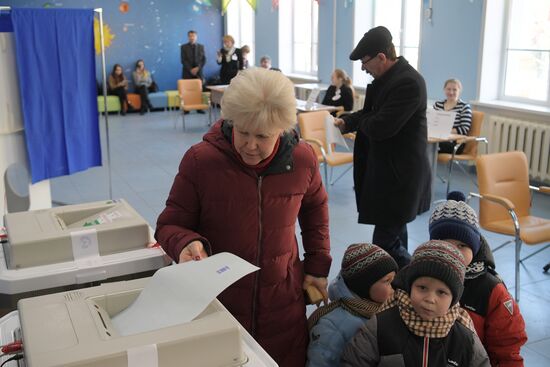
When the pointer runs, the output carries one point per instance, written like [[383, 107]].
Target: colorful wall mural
[[152, 30]]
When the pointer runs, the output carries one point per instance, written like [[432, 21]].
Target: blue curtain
[[56, 67], [5, 23]]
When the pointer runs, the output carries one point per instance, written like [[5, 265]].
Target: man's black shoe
[[201, 112]]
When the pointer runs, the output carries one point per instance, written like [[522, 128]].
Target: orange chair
[[506, 200], [191, 96], [470, 149], [312, 129]]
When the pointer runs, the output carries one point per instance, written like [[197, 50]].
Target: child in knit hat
[[423, 324], [496, 316], [363, 284]]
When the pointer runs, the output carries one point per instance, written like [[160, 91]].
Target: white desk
[[216, 92], [303, 90], [301, 106]]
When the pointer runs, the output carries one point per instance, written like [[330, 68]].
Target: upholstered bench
[[158, 99], [173, 99], [135, 101], [113, 104]]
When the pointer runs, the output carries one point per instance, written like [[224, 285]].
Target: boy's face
[[381, 290], [464, 249], [430, 297]]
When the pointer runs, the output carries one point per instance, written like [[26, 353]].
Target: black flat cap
[[376, 40]]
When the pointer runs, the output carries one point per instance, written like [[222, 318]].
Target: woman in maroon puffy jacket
[[241, 190]]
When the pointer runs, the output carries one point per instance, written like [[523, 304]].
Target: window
[[298, 37], [401, 17], [526, 57], [240, 24]]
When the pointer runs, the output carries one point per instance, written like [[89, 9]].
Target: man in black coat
[[192, 58], [392, 173]]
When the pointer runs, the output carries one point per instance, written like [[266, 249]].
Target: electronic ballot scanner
[[64, 233], [74, 246], [79, 328]]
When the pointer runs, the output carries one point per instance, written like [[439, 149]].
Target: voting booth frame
[[39, 193]]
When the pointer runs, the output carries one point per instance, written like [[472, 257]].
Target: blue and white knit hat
[[439, 260], [456, 220], [363, 265]]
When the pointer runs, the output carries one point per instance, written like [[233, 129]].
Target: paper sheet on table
[[313, 95], [440, 123], [177, 294], [334, 136]]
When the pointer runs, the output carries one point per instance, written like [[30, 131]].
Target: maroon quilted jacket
[[217, 200]]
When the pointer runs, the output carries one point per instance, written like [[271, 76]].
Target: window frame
[[501, 95], [400, 49], [238, 36], [288, 62]]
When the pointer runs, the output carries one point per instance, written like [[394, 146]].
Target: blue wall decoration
[[152, 30]]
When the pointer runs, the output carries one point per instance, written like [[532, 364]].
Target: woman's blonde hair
[[453, 80], [229, 38], [341, 74], [260, 100]]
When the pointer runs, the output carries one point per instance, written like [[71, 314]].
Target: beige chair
[[191, 97], [470, 149], [505, 203], [312, 129]]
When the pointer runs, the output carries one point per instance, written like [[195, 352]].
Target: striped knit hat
[[363, 265], [439, 260], [456, 220]]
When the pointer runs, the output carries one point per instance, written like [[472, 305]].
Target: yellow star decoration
[[107, 36]]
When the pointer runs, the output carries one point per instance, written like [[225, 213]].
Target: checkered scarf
[[355, 306], [436, 328]]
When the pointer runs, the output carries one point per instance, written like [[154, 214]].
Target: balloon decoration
[[124, 7]]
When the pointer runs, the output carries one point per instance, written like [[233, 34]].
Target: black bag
[[153, 88]]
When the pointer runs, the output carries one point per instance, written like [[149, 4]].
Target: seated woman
[[230, 58], [463, 118], [118, 86], [144, 85], [340, 92]]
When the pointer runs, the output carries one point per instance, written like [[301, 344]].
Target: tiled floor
[[146, 151]]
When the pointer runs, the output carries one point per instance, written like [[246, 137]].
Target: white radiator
[[505, 134]]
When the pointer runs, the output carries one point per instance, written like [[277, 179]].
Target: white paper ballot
[[177, 294], [440, 123], [313, 95], [334, 136]]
